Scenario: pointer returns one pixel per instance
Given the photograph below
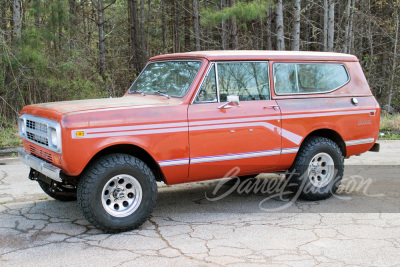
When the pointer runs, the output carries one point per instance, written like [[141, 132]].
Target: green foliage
[[242, 11], [9, 134], [390, 127]]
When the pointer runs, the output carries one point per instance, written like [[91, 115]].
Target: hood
[[66, 107]]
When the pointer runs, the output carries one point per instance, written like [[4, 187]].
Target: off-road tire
[[95, 179], [299, 179], [56, 194]]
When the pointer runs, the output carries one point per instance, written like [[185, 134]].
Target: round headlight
[[53, 136]]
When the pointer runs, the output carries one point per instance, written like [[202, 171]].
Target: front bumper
[[41, 166]]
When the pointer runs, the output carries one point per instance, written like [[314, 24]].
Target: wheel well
[[331, 134], [133, 151]]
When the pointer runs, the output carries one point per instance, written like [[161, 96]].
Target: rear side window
[[291, 78]]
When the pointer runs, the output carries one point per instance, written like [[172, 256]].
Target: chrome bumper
[[41, 166]]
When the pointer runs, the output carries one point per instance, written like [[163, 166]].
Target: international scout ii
[[195, 116]]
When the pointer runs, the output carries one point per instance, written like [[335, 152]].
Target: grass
[[9, 136], [390, 127]]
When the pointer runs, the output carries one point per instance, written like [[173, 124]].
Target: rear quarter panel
[[304, 114]]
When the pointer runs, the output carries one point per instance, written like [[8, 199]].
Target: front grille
[[34, 125], [37, 138], [38, 131], [41, 154]]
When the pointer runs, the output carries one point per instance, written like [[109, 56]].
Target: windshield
[[167, 77]]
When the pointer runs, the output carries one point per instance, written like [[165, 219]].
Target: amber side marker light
[[79, 133], [57, 160]]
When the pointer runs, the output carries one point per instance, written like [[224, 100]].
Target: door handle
[[275, 107]]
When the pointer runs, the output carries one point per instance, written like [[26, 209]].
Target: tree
[[394, 60], [224, 30], [102, 48], [331, 25], [134, 35], [296, 26], [196, 24], [234, 32], [326, 21], [68, 49], [17, 18], [280, 37], [3, 15], [142, 33], [188, 21]]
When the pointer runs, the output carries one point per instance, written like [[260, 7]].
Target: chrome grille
[[41, 154], [38, 131], [34, 125], [37, 138]]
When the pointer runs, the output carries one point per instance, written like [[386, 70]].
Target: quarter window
[[290, 78], [208, 91]]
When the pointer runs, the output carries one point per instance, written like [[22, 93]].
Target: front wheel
[[317, 170], [118, 193]]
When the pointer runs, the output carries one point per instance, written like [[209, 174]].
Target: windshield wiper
[[162, 93]]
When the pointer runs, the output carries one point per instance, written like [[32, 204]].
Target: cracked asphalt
[[359, 227]]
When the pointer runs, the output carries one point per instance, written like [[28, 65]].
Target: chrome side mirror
[[233, 100]]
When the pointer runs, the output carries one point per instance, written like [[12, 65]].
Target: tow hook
[[55, 188], [33, 175]]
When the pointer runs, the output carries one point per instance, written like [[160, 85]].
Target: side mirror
[[233, 100]]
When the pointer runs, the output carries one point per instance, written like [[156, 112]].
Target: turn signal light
[[57, 160]]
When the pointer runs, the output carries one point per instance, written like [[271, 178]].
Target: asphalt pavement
[[213, 223]]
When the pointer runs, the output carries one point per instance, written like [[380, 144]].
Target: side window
[[321, 77], [248, 80], [285, 79], [208, 91], [292, 78]]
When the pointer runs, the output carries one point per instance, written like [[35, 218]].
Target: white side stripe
[[323, 114], [290, 150], [136, 127], [235, 156], [173, 162], [140, 132], [256, 154], [359, 141], [286, 134], [159, 128], [292, 137], [256, 119]]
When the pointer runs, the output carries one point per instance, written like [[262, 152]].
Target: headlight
[[53, 137], [22, 127]]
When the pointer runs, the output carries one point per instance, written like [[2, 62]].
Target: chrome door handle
[[275, 107]]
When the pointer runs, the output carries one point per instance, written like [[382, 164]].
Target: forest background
[[52, 50]]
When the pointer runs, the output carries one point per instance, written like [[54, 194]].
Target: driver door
[[222, 137]]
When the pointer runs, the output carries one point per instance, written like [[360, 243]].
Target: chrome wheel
[[121, 195], [321, 170]]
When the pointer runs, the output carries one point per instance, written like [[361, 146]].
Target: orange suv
[[195, 116]]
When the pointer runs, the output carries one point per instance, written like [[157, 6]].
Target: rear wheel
[[118, 193], [317, 170]]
